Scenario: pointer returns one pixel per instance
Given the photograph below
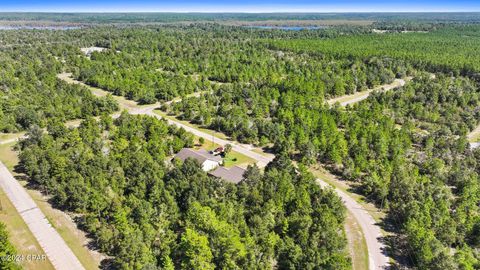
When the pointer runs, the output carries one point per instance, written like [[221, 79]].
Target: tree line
[[149, 213]]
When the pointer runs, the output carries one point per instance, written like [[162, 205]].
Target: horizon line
[[236, 12]]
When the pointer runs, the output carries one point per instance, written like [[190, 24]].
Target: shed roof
[[233, 175]]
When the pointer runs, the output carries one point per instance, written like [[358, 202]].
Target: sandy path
[[474, 135], [359, 96]]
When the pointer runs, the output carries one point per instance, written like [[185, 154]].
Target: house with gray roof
[[232, 175], [207, 160]]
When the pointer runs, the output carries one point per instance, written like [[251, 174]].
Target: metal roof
[[233, 175], [201, 155]]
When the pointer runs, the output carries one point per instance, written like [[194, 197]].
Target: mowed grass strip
[[66, 227], [357, 244]]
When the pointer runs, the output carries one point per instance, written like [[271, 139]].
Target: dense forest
[[387, 145], [148, 213], [150, 65], [404, 149], [31, 94], [448, 49]]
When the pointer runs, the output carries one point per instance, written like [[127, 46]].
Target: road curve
[[57, 251], [371, 230], [377, 257]]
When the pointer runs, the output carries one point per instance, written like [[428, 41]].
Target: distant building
[[88, 51], [232, 175], [207, 161]]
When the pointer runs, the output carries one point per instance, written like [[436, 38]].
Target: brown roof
[[201, 155], [233, 175]]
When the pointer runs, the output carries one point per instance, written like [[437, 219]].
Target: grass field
[[8, 136], [474, 136], [8, 156], [232, 159]]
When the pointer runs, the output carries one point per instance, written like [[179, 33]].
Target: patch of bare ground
[[359, 96]]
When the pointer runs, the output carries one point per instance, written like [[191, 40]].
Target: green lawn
[[8, 156], [235, 158], [232, 159], [7, 136]]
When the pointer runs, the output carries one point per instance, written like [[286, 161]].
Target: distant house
[[232, 175], [88, 51], [207, 161]]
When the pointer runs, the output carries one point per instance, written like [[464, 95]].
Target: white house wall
[[209, 165]]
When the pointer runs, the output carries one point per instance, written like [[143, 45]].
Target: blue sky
[[239, 5]]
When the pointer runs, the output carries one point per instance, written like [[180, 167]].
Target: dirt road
[[59, 254], [359, 96], [474, 137]]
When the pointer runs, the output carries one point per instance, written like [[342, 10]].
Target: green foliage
[[449, 49], [405, 148], [30, 93], [146, 213], [7, 251], [196, 251]]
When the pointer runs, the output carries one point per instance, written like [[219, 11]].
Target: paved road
[[377, 258], [57, 251], [354, 98]]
